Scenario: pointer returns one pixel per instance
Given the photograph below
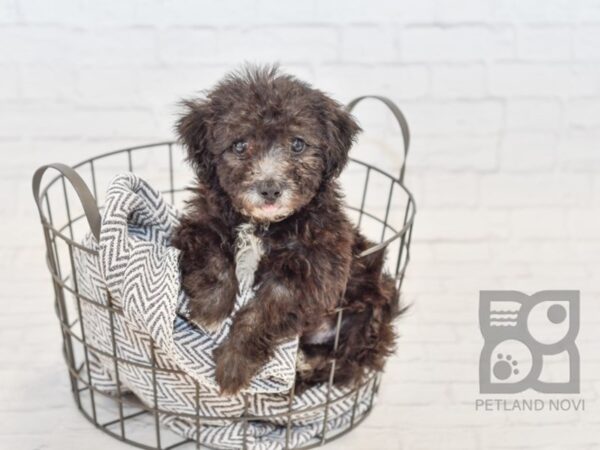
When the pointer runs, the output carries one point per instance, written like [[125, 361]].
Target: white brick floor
[[503, 97]]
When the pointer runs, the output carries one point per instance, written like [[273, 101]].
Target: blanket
[[136, 273]]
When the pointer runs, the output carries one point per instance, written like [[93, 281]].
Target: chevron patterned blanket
[[137, 270]]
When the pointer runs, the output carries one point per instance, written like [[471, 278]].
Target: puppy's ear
[[193, 129], [341, 132]]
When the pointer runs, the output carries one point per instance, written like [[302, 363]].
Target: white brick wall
[[503, 97]]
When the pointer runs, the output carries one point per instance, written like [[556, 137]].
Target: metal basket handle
[[86, 198], [399, 118]]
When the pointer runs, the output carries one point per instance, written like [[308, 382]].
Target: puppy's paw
[[233, 371]]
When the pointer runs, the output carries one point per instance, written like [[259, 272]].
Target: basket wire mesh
[[64, 225]]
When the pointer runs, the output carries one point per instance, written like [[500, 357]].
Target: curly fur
[[243, 134]]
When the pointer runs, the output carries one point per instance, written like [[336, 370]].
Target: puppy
[[266, 149]]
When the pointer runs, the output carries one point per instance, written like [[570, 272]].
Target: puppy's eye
[[239, 147], [298, 145]]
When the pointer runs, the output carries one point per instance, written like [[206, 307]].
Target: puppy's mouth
[[260, 209], [270, 208], [266, 211], [270, 212]]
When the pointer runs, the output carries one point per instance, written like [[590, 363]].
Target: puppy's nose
[[270, 190]]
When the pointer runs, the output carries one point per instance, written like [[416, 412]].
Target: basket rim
[[411, 207]]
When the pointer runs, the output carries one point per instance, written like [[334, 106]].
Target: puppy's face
[[268, 140], [270, 167]]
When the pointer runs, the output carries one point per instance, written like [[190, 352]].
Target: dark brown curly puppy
[[266, 149]]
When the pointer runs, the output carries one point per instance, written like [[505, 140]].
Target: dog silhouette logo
[[523, 336]]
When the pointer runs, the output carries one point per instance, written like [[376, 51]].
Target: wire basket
[[379, 204]]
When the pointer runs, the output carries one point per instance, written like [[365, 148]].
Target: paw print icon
[[526, 335]]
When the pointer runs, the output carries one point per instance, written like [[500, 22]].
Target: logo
[[524, 337]]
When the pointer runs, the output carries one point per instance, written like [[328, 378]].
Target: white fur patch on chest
[[323, 334], [248, 252]]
